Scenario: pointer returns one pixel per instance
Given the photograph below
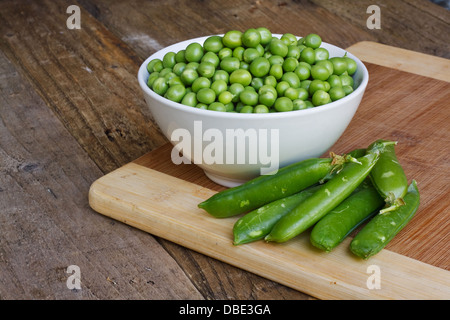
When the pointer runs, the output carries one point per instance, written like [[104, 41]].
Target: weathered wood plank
[[46, 224], [147, 26], [87, 77]]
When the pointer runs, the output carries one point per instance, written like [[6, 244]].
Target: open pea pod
[[389, 178], [327, 197]]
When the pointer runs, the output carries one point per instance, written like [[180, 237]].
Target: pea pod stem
[[382, 228], [268, 188], [327, 197]]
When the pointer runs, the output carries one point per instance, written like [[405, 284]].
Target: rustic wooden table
[[71, 111]]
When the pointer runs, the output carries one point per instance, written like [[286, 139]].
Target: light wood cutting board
[[412, 107]]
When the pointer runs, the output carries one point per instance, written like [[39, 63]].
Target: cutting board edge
[[319, 285]]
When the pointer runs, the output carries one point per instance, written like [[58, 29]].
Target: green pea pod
[[389, 179], [360, 206], [268, 188], [382, 228], [329, 195], [256, 224]]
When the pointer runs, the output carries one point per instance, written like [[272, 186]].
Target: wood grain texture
[[87, 77], [46, 224], [167, 207]]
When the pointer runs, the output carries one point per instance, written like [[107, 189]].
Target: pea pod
[[329, 195], [256, 224], [389, 179], [360, 206], [268, 188], [382, 228]]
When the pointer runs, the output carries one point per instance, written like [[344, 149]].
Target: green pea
[[283, 104], [176, 92], [291, 93], [236, 89], [217, 106], [246, 109], [206, 69], [336, 93], [212, 58], [289, 64], [225, 52], [346, 80], [221, 75], [326, 63], [259, 67], [229, 107], [153, 76], [294, 52], [232, 39], [320, 97], [257, 83], [169, 60], [179, 68], [175, 80], [206, 95], [225, 97], [312, 40], [299, 104], [305, 84], [251, 38], [292, 79], [351, 65], [260, 108], [276, 59], [302, 72], [202, 106], [192, 65], [239, 53], [316, 85], [347, 89], [308, 55], [281, 87], [219, 86], [303, 93], [270, 80], [266, 35], [241, 76], [309, 104], [180, 56], [194, 52], [160, 86], [213, 44], [276, 70], [334, 81], [278, 47], [289, 39], [199, 83], [267, 98], [244, 65], [151, 65], [319, 72], [188, 76], [230, 64], [250, 54], [249, 97], [339, 65], [321, 54], [157, 66], [189, 99]]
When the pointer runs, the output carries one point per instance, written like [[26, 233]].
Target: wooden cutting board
[[159, 197]]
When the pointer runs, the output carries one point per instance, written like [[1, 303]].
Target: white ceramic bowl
[[273, 140]]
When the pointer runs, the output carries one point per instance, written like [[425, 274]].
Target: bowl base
[[224, 181]]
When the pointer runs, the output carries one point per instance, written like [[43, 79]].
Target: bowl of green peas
[[246, 103]]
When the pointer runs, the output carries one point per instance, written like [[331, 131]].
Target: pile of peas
[[252, 72]]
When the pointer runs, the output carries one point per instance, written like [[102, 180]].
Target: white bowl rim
[[246, 116]]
